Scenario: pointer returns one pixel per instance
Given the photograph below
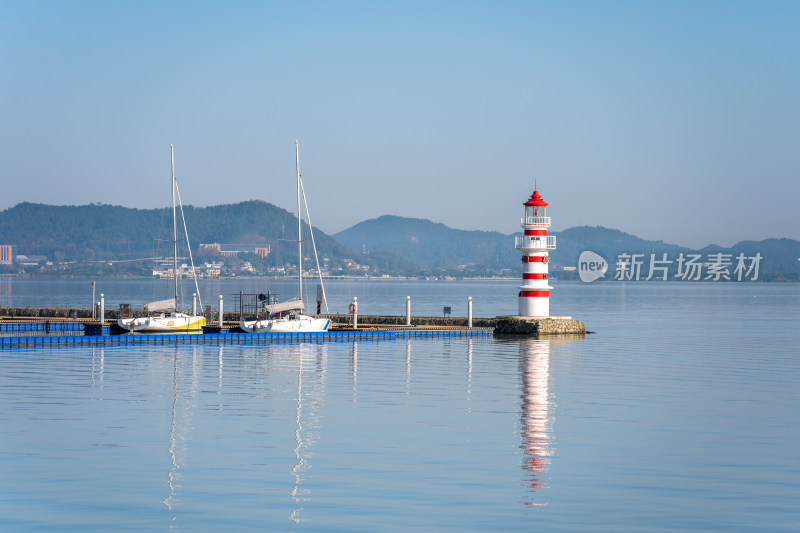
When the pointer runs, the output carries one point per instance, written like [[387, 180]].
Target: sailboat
[[164, 316], [287, 317]]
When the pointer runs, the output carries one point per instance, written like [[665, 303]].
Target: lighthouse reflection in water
[[534, 371]]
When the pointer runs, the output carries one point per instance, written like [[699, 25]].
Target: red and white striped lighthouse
[[534, 294]]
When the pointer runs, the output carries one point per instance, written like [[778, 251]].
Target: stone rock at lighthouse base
[[512, 325]]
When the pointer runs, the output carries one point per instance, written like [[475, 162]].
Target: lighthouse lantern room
[[535, 244]]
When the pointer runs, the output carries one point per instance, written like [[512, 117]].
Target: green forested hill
[[105, 232]]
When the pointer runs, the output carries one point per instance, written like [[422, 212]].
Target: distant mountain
[[388, 244], [436, 246], [106, 232]]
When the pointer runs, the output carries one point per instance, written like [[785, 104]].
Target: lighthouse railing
[[535, 221], [535, 242]]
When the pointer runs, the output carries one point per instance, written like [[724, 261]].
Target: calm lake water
[[682, 413]]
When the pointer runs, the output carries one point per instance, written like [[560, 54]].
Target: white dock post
[[102, 307], [469, 312], [408, 310], [355, 312], [194, 304], [94, 306], [220, 311]]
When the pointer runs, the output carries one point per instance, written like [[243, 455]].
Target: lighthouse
[[535, 243]]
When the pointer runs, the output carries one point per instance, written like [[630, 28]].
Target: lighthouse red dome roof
[[536, 199]]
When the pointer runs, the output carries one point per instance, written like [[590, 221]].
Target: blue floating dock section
[[226, 337], [95, 328], [40, 327]]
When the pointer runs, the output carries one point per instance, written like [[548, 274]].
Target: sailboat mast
[[299, 235], [174, 227]]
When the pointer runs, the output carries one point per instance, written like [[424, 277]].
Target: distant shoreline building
[[7, 254], [232, 250], [163, 268]]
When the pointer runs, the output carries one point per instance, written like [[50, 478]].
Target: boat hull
[[178, 323], [299, 323]]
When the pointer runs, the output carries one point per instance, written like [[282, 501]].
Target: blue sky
[[670, 120]]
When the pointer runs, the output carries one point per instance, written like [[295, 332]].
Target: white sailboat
[[164, 316], [287, 317]]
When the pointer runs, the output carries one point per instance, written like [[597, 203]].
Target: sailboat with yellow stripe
[[164, 316]]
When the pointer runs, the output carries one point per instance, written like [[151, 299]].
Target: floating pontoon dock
[[229, 337], [31, 332]]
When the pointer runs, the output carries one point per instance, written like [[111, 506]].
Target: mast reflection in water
[[535, 423], [182, 405], [310, 397]]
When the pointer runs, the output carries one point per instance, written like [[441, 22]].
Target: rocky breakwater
[[539, 326], [50, 312]]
